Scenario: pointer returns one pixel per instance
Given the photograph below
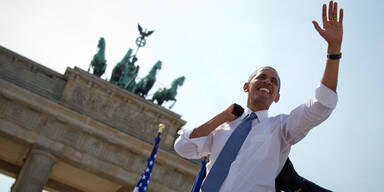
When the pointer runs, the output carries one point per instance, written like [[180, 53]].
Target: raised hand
[[206, 128], [332, 30]]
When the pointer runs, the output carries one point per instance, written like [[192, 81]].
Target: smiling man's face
[[263, 89]]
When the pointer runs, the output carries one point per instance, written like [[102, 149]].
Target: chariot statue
[[125, 72]]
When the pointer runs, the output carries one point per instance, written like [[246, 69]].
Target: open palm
[[332, 30]]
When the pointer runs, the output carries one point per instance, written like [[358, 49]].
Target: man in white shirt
[[266, 148]]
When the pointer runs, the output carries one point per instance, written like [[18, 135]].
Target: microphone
[[237, 110]]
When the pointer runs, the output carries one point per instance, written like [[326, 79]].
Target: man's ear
[[245, 87], [277, 98]]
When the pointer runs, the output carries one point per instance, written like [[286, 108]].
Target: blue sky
[[216, 45]]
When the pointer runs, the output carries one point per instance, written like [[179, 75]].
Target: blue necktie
[[220, 169]]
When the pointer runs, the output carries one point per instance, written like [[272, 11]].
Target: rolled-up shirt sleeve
[[194, 148], [308, 115]]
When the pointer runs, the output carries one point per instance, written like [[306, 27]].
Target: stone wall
[[99, 134], [119, 108]]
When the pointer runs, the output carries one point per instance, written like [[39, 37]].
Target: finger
[[318, 28], [335, 11], [330, 11], [341, 15], [324, 13]]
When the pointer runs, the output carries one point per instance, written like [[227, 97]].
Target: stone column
[[35, 172]]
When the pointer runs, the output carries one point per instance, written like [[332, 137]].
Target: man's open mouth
[[264, 89]]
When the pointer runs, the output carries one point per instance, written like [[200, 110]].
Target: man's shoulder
[[278, 117]]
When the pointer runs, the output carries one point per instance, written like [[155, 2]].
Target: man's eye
[[260, 77]]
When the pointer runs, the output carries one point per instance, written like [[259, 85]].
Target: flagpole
[[142, 185], [157, 139]]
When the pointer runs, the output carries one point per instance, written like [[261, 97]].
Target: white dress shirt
[[265, 150]]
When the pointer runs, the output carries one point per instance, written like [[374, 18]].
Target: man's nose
[[268, 81]]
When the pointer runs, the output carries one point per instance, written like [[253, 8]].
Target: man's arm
[[192, 144], [332, 32], [206, 128]]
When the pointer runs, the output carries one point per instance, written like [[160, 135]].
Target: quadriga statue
[[125, 71]]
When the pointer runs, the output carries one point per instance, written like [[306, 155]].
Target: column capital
[[44, 152], [35, 171]]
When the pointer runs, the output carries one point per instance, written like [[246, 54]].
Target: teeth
[[264, 89]]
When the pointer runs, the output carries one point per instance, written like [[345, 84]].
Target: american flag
[[142, 185]]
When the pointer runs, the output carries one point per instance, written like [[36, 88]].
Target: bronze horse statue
[[166, 94], [125, 71], [98, 63], [145, 84]]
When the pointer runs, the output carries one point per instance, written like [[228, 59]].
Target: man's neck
[[257, 107]]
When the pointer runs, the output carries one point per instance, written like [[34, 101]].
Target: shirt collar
[[263, 114]]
